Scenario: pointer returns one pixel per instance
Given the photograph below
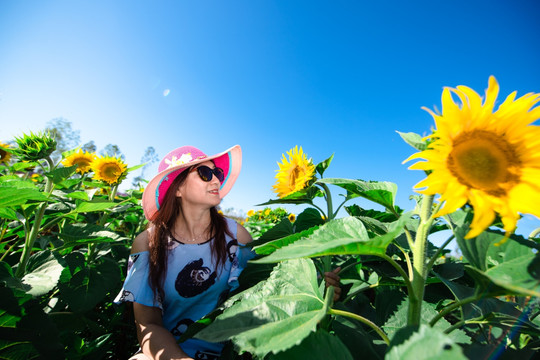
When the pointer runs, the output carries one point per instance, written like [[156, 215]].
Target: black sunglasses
[[205, 173]]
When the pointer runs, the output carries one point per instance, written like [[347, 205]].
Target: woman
[[190, 256]]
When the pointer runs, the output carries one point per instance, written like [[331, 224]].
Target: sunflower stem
[[400, 270], [534, 233], [447, 310], [31, 236], [102, 221], [363, 320], [419, 262], [328, 198]]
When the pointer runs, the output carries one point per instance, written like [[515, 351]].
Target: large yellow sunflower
[[81, 158], [109, 169], [294, 174], [5, 155], [488, 158]]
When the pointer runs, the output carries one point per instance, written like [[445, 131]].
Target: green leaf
[[398, 320], [380, 192], [21, 166], [87, 287], [81, 195], [94, 205], [42, 273], [274, 315], [308, 218], [323, 165], [61, 173], [280, 230], [133, 168], [426, 344], [79, 234], [12, 196], [304, 196], [414, 140], [343, 236], [319, 345], [271, 246], [8, 213], [519, 276]]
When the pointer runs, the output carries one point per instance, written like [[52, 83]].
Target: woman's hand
[[331, 278]]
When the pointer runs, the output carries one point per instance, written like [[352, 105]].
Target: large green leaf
[[95, 205], [271, 246], [319, 345], [380, 192], [274, 315], [79, 234], [343, 236], [90, 285], [13, 196], [42, 273], [308, 218], [519, 276], [426, 344]]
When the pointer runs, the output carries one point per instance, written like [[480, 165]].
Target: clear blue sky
[[331, 76]]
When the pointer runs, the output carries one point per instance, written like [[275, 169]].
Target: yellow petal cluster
[[294, 173], [82, 159], [489, 159]]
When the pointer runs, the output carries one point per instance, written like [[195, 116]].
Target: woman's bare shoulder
[[242, 235], [141, 242]]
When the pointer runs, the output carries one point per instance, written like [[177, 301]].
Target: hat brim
[[230, 161]]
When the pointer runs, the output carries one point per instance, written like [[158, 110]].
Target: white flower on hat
[[174, 161]]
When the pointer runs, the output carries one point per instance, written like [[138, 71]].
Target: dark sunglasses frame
[[206, 173]]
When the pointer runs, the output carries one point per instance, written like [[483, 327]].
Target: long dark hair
[[164, 221]]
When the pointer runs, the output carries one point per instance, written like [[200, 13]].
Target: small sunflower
[[489, 159], [250, 213], [111, 170], [294, 174], [81, 158], [5, 155], [292, 217]]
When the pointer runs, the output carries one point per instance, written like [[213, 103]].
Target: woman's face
[[198, 192]]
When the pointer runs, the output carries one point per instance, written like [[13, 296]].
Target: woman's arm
[[156, 341]]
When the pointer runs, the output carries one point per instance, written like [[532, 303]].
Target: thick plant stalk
[[419, 262], [32, 236], [102, 221]]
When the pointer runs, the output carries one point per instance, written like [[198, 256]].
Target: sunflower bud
[[35, 147]]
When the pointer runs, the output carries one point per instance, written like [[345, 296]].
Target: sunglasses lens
[[219, 174], [206, 173]]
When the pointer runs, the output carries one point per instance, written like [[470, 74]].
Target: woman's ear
[[179, 192]]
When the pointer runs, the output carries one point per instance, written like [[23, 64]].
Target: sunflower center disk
[[111, 171], [485, 161], [293, 176]]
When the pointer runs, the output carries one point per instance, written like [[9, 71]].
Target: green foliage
[[402, 297], [65, 239], [64, 245]]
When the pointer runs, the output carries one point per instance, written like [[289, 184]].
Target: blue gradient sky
[[332, 76]]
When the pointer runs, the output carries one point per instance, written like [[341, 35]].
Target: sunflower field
[[66, 234]]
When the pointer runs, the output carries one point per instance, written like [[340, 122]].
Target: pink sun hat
[[180, 159]]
